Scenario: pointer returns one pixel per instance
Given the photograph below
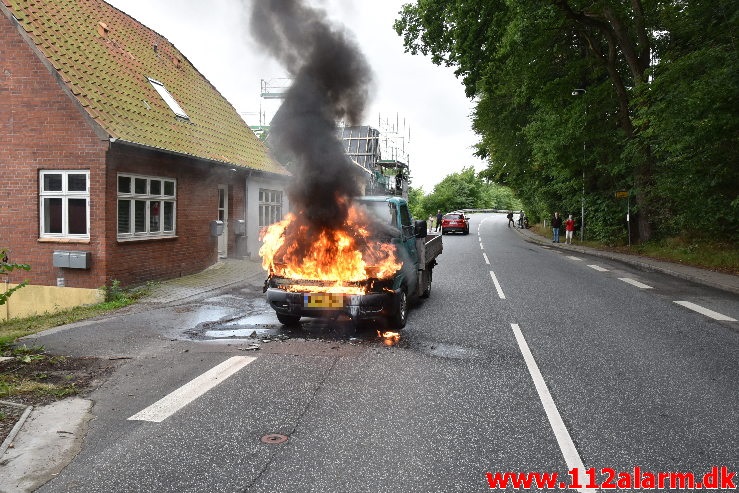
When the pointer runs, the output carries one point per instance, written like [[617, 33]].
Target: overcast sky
[[214, 36]]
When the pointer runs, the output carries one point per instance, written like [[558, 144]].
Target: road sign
[[622, 194]]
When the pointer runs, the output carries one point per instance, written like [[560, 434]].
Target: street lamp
[[581, 92]]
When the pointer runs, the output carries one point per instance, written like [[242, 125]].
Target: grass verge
[[697, 252], [116, 297], [15, 328], [33, 377]]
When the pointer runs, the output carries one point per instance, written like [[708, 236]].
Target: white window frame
[[149, 198], [65, 195], [270, 207], [168, 98]]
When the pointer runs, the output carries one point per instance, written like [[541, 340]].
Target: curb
[[18, 425], [654, 266]]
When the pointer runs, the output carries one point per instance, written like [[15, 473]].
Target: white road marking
[[170, 404], [497, 285], [573, 258], [481, 247], [485, 255], [635, 283], [598, 268], [566, 445], [705, 311]]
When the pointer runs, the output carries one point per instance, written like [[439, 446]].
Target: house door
[[223, 216]]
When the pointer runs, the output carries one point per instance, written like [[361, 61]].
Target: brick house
[[117, 155]]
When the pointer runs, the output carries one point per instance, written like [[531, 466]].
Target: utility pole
[[581, 92]]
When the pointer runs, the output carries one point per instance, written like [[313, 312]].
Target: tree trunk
[[635, 51]]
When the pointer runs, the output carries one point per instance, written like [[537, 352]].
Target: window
[[146, 206], [65, 204], [405, 221], [270, 207], [167, 97]]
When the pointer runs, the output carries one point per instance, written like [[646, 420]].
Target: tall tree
[[522, 60]]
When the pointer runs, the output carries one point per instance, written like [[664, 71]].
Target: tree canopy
[[576, 100], [462, 190]]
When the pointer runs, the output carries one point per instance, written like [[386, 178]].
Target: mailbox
[[71, 260], [79, 260], [216, 228], [239, 227], [61, 259]]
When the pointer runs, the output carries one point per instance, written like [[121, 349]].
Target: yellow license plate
[[323, 300]]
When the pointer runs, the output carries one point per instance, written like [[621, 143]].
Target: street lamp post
[[581, 92]]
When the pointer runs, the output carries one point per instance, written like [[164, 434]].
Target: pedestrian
[[510, 219], [439, 215], [569, 229], [556, 224]]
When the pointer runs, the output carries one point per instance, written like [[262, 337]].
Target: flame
[[389, 338], [294, 249]]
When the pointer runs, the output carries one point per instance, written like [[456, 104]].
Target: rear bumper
[[356, 306], [454, 229]]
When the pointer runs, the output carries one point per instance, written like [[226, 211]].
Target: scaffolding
[[382, 152]]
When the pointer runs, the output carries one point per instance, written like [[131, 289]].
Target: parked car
[[455, 222]]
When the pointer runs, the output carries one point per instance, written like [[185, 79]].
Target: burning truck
[[334, 255], [369, 268]]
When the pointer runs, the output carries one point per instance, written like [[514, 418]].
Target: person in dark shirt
[[439, 215], [510, 219], [556, 224]]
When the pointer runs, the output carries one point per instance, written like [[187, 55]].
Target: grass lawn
[[706, 254]]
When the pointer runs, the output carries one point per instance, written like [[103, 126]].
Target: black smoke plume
[[331, 82]]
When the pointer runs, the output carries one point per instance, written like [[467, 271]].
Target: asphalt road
[[561, 364]]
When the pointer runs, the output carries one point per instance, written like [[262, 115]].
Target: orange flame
[[334, 256], [389, 338]]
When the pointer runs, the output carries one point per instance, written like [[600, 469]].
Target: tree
[[522, 60], [466, 190], [415, 202], [5, 268]]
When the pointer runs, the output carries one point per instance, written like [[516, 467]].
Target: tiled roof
[[106, 57]]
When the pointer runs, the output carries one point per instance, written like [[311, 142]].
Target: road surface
[[524, 359]]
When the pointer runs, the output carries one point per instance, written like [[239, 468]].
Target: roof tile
[[108, 74]]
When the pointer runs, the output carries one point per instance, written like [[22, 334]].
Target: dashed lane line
[[173, 402], [705, 311], [574, 258], [598, 268], [634, 282], [564, 440], [497, 286], [485, 256]]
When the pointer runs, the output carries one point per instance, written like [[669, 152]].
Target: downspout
[[246, 214]]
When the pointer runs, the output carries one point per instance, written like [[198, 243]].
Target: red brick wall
[[193, 248], [42, 128]]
